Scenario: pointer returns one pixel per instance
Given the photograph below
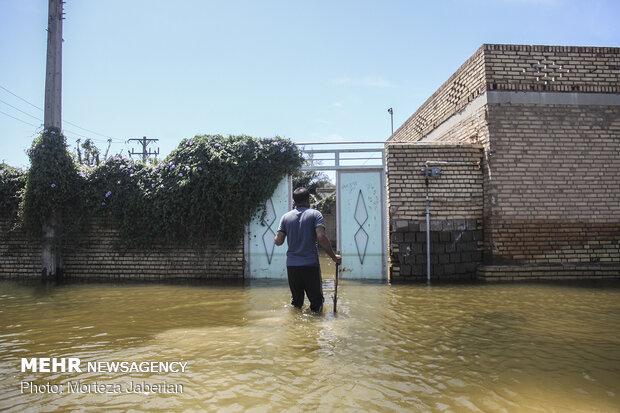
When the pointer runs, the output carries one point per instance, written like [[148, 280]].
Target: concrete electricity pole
[[50, 251], [53, 72]]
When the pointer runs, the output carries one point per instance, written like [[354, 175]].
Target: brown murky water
[[444, 348]]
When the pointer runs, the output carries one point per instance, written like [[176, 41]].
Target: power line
[[64, 130], [93, 132], [20, 98], [19, 110], [23, 121], [66, 121]]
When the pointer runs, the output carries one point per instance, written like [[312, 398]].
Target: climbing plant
[[205, 190], [52, 186], [12, 182]]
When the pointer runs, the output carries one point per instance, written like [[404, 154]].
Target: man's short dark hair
[[301, 195]]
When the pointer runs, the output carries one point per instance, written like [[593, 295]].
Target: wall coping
[[426, 144]]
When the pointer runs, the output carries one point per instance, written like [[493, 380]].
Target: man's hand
[[279, 238], [323, 241]]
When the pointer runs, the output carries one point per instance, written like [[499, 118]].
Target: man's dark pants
[[308, 280]]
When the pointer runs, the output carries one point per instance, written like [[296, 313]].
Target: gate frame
[[353, 164], [341, 160], [384, 228]]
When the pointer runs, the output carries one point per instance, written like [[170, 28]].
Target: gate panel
[[361, 227], [263, 259]]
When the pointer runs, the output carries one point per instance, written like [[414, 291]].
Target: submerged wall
[[98, 254], [553, 194], [552, 189], [456, 211], [548, 118]]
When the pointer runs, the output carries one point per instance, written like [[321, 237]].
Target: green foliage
[[311, 180], [12, 183], [87, 153], [52, 184], [213, 185], [205, 190], [324, 205]]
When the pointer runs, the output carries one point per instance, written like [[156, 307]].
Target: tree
[[311, 180], [90, 154]]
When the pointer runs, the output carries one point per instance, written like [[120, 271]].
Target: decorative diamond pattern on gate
[[268, 235], [361, 236]]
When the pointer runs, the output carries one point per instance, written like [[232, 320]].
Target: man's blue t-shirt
[[299, 226]]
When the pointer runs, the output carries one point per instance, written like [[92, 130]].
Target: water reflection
[[518, 347]]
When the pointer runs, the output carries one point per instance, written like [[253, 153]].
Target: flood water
[[444, 348]]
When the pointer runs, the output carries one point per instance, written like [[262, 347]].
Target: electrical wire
[[19, 110], [20, 98], [41, 120], [115, 140], [21, 120]]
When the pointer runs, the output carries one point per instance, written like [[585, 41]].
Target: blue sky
[[315, 71]]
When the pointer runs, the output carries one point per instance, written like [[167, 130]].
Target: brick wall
[[513, 68], [552, 68], [18, 257], [330, 227], [553, 187], [550, 171], [96, 255], [456, 200], [466, 84]]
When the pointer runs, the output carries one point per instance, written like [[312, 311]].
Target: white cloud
[[370, 81], [336, 104]]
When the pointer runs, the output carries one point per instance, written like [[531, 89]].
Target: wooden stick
[[336, 290]]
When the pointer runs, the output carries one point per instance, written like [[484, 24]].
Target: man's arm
[[279, 238], [323, 241]]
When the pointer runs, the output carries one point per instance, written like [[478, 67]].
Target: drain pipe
[[429, 173], [434, 173], [428, 233]]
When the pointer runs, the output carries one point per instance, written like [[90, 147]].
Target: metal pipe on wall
[[434, 173], [428, 235]]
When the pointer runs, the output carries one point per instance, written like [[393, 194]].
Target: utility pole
[[53, 71], [145, 152], [50, 252]]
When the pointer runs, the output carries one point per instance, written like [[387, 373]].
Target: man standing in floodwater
[[304, 227]]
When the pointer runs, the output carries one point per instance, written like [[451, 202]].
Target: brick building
[[528, 140]]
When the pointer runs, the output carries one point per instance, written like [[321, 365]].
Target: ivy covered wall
[[196, 200]]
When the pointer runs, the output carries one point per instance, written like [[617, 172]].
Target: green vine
[[12, 183], [205, 190], [52, 187]]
